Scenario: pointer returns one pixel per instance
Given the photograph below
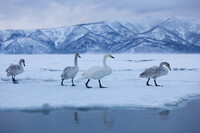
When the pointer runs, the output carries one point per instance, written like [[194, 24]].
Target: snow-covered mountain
[[154, 35]]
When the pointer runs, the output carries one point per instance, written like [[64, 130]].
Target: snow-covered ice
[[39, 85]]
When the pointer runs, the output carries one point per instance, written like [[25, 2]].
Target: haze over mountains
[[142, 35]]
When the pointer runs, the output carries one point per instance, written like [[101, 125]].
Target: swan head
[[109, 55], [22, 61], [166, 64], [77, 55]]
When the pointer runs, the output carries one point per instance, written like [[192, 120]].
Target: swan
[[70, 71], [98, 72], [14, 70], [155, 72]]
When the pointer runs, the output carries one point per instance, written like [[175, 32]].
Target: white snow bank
[[39, 85]]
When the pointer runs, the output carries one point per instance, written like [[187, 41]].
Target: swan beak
[[169, 68], [112, 57], [23, 63], [79, 56]]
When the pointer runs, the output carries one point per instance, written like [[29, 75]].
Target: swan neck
[[75, 61], [161, 64], [20, 63], [104, 62]]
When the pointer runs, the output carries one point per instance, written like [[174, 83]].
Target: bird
[[70, 71], [155, 72], [14, 70], [98, 72]]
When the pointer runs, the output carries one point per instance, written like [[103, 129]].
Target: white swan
[[14, 70], [98, 72], [155, 72], [70, 71]]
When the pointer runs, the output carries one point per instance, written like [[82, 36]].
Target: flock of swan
[[96, 73]]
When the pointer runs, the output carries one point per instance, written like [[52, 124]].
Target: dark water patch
[[125, 70], [138, 61], [164, 112], [44, 112], [29, 79], [184, 69], [46, 109], [5, 79], [51, 70], [49, 80]]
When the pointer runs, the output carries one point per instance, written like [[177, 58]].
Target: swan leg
[[73, 82], [156, 83], [14, 80], [62, 82], [147, 83], [86, 84], [101, 85]]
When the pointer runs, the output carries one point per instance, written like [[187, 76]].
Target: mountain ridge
[[146, 35]]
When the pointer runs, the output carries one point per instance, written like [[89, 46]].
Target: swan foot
[[103, 87], [147, 83], [62, 82], [15, 81], [73, 82], [157, 84], [73, 85], [86, 84]]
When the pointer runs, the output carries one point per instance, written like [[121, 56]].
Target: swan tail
[[142, 75], [83, 74], [62, 76], [8, 74]]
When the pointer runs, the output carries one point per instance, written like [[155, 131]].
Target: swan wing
[[92, 70], [69, 72], [154, 72], [13, 70], [150, 72], [67, 69], [96, 73]]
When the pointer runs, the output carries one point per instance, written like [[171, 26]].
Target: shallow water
[[179, 120]]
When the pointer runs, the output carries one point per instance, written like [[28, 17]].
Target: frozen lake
[[39, 86]]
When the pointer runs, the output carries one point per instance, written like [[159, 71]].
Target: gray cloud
[[31, 14]]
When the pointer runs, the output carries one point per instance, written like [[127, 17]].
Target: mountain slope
[[155, 35]]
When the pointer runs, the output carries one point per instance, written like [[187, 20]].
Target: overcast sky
[[34, 14]]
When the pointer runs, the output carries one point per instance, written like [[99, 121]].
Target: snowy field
[[39, 86]]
